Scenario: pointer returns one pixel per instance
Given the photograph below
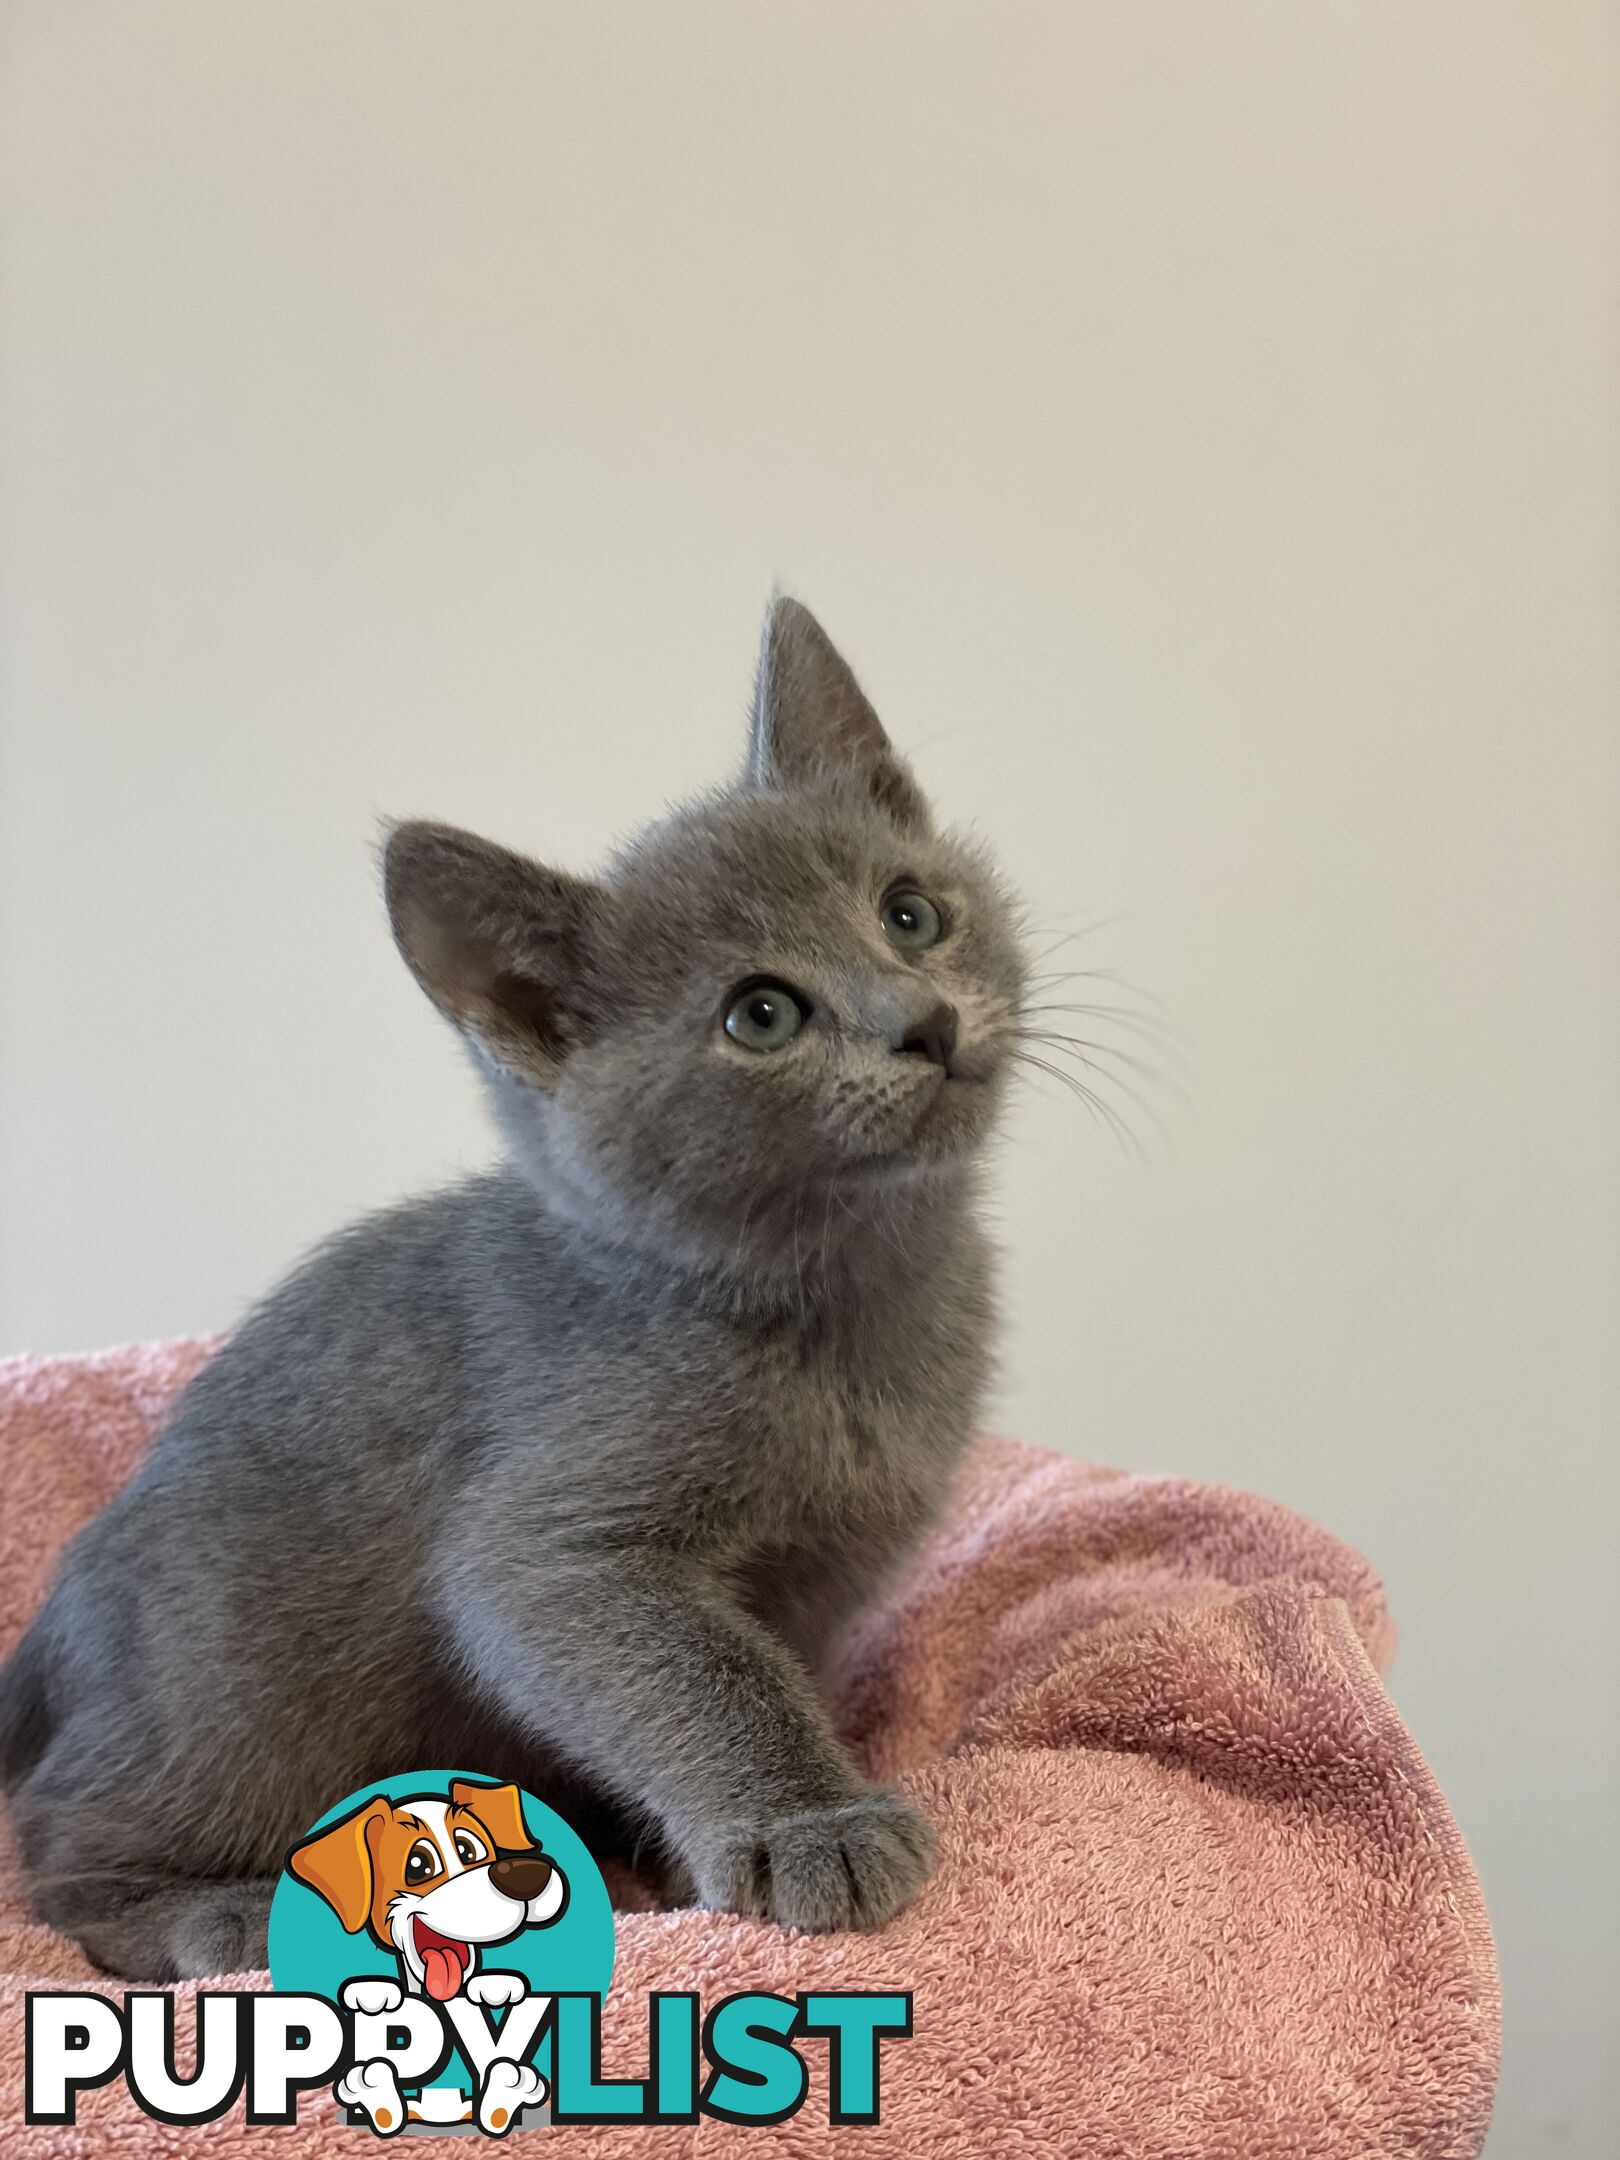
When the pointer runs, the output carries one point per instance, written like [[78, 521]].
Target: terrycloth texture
[[1199, 1898]]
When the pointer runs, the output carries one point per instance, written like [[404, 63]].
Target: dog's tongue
[[443, 1961]]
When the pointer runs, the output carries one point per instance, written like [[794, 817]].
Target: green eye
[[765, 1016], [912, 922]]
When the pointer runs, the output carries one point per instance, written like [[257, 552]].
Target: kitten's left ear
[[812, 720]]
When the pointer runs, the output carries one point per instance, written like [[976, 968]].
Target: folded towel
[[1199, 1895]]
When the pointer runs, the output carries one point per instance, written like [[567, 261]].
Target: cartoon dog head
[[432, 1878]]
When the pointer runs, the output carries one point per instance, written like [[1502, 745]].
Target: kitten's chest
[[835, 1424], [849, 1419], [861, 1419], [841, 1492]]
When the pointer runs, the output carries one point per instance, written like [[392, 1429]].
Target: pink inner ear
[[524, 1003], [458, 969]]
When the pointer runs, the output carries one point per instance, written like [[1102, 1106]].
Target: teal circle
[[312, 1954]]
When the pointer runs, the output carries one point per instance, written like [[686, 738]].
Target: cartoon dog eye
[[421, 1863], [469, 1848]]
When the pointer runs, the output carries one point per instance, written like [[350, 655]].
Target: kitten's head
[[778, 1002]]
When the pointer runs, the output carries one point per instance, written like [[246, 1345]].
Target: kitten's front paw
[[853, 1866]]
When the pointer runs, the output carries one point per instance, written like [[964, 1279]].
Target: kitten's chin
[[952, 1126]]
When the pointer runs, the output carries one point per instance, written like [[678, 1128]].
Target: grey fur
[[573, 1472]]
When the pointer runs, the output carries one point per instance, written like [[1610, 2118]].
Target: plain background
[[1199, 426]]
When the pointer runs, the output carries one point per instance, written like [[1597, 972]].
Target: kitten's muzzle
[[932, 1037]]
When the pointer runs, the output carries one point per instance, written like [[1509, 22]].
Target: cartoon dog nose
[[932, 1037], [520, 1875]]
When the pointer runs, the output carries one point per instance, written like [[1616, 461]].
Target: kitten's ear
[[812, 721], [499, 944]]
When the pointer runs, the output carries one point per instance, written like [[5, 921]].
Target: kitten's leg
[[164, 1930], [140, 1886], [649, 1673]]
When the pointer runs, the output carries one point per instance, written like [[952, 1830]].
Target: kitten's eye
[[765, 1016], [422, 1863], [469, 1849], [912, 922]]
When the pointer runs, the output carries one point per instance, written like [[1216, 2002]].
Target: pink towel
[[1199, 1895]]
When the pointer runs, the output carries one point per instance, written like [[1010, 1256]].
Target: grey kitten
[[572, 1473]]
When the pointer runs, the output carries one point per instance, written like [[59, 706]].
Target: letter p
[[74, 2042]]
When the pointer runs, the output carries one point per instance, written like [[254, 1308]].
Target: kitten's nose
[[932, 1037], [520, 1875]]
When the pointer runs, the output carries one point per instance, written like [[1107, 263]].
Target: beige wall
[[1198, 422]]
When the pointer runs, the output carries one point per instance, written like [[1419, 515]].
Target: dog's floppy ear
[[336, 1864], [500, 1809]]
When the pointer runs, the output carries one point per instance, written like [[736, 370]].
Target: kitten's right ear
[[499, 944]]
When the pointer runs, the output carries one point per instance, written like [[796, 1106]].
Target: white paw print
[[375, 1997], [495, 1990], [507, 2089], [373, 2087]]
